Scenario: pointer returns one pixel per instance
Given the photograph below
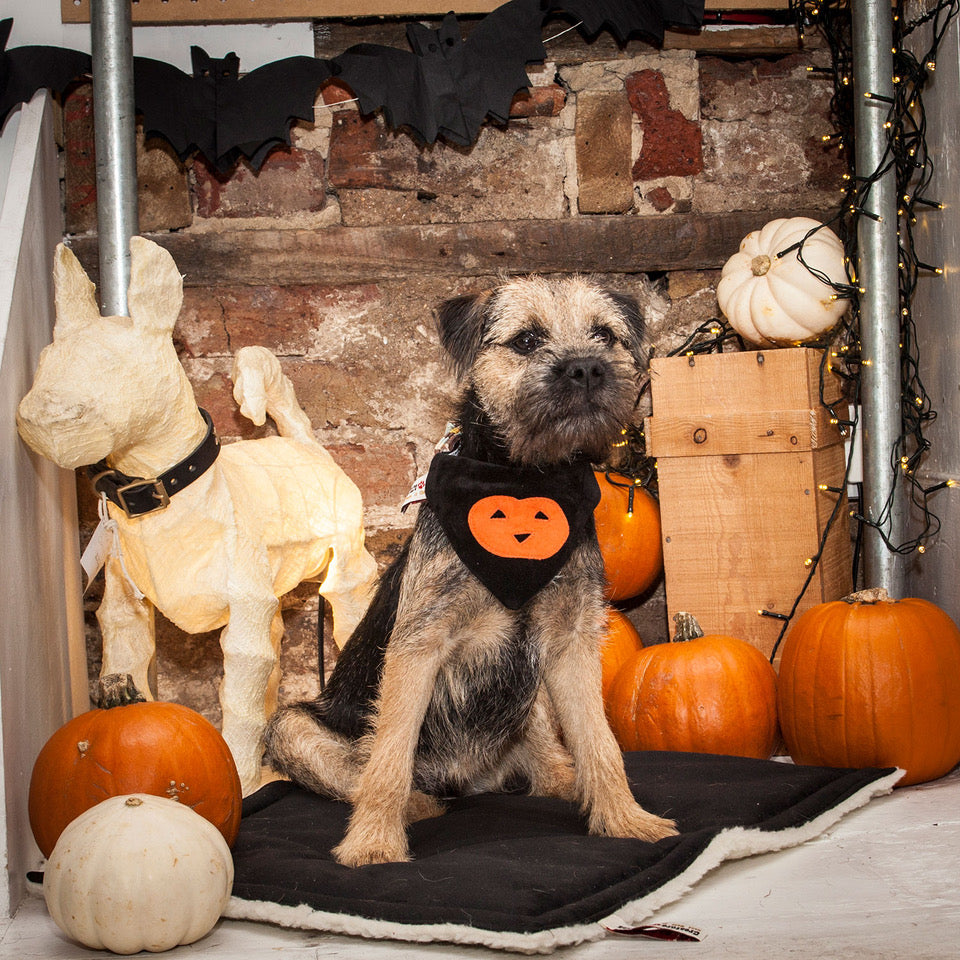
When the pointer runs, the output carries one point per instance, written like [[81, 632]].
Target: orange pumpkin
[[701, 694], [164, 749], [873, 682], [531, 528], [628, 530], [620, 642]]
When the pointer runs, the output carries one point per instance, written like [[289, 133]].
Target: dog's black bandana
[[513, 528]]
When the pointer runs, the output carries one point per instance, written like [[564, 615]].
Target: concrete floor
[[882, 883]]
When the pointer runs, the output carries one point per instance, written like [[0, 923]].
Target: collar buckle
[[140, 486]]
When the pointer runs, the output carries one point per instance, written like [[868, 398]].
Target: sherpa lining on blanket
[[521, 873]]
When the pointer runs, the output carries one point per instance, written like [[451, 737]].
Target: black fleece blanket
[[520, 873]]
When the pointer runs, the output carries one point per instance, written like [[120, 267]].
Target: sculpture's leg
[[126, 625], [250, 642], [348, 584]]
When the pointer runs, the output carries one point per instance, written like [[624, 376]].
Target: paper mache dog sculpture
[[209, 536]]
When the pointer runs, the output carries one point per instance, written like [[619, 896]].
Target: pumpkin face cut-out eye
[[532, 528]]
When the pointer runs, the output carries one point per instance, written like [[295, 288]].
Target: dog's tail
[[261, 388]]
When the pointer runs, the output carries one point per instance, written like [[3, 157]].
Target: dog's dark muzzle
[[587, 373]]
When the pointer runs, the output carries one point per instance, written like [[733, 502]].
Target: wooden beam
[[332, 37], [264, 11], [602, 244]]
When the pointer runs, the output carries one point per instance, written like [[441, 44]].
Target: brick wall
[[642, 166]]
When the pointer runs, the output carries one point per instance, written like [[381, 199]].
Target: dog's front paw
[[360, 847], [632, 821]]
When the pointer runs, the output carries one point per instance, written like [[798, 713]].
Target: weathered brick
[[163, 197], [286, 320], [762, 128], [383, 177], [671, 143], [79, 168], [383, 470], [163, 194], [546, 101], [660, 198], [290, 181], [603, 139]]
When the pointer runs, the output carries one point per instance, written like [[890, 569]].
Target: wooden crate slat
[[776, 431]]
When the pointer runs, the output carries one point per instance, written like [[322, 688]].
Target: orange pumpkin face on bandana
[[514, 528]]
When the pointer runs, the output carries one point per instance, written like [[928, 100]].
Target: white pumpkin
[[138, 872], [778, 301]]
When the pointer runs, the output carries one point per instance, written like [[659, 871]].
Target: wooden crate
[[744, 449]]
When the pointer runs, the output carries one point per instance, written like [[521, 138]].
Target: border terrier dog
[[477, 665]]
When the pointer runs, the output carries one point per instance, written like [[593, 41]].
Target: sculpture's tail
[[261, 388]]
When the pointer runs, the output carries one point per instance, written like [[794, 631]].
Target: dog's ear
[[630, 311], [462, 322]]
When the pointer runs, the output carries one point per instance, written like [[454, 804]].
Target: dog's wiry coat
[[442, 690]]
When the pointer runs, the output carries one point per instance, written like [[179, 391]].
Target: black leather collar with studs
[[137, 496]]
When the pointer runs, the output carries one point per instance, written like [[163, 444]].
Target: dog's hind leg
[[541, 758], [299, 746], [127, 627]]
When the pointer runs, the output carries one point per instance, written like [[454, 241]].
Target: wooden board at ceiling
[[264, 11]]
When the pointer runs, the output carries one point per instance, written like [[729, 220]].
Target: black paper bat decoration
[[220, 113], [624, 18], [25, 70], [447, 86]]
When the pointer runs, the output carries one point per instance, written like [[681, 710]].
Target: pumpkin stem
[[117, 690], [687, 627], [873, 595], [760, 264]]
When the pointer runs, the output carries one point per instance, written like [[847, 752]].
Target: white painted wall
[[38, 22], [43, 678]]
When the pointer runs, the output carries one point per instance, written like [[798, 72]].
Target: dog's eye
[[604, 335], [526, 341]]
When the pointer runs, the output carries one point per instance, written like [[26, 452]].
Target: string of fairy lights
[[907, 154]]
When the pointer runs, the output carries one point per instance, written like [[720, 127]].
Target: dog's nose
[[587, 373]]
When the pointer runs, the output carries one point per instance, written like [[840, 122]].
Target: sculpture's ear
[[155, 294], [74, 293]]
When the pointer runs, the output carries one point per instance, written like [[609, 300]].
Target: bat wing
[[25, 70], [447, 87], [624, 18], [496, 55], [391, 80], [176, 106], [254, 114]]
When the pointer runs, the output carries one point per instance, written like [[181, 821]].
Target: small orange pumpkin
[[528, 528], [164, 749], [628, 530], [701, 694], [870, 681], [619, 642]]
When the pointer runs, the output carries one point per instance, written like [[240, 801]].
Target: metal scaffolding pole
[[884, 492], [114, 120]]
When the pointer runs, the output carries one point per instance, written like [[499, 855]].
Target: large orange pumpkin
[[628, 530], [164, 749], [619, 643], [701, 694], [870, 681]]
